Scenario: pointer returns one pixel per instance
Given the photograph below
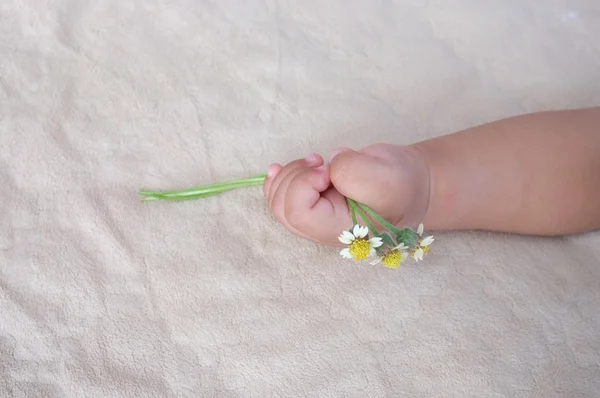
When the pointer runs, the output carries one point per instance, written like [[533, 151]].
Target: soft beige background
[[103, 296]]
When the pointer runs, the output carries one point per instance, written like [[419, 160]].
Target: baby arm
[[534, 174]]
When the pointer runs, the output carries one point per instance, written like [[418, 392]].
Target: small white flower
[[358, 232], [422, 244], [358, 248], [392, 258]]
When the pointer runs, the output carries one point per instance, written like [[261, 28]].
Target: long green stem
[[256, 180], [379, 219], [158, 196], [204, 190]]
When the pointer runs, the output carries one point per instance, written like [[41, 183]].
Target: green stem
[[158, 196], [406, 235], [204, 190], [379, 219], [363, 216], [352, 212]]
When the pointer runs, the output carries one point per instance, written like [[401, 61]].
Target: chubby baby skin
[[535, 174]]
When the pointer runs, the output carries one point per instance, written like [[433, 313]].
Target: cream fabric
[[104, 296]]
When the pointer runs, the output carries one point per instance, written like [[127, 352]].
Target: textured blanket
[[104, 296]]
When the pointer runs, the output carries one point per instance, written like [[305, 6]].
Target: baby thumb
[[358, 176]]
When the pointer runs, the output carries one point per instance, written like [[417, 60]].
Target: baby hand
[[308, 196]]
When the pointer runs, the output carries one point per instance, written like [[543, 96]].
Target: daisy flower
[[422, 244], [393, 257], [359, 248]]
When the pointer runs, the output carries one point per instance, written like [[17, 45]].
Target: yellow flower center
[[360, 249], [392, 259], [425, 249]]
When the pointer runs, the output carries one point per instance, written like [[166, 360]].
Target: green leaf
[[387, 239], [408, 237]]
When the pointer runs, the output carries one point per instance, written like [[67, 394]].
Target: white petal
[[376, 261], [420, 229], [399, 247], [360, 231], [365, 231], [418, 254], [376, 242], [372, 252], [345, 253], [426, 241], [346, 238], [404, 255], [348, 235]]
